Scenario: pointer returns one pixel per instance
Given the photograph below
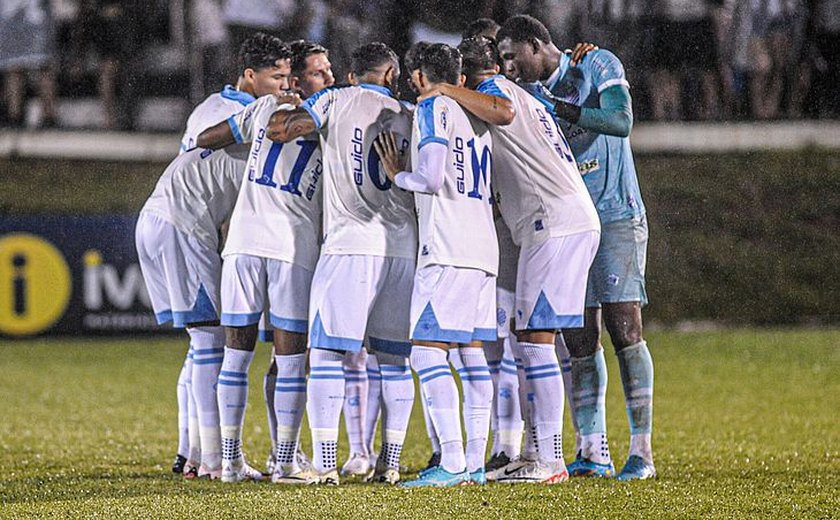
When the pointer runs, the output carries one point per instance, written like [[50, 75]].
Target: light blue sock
[[636, 366], [589, 382]]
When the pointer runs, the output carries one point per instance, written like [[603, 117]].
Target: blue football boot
[[478, 477], [438, 477], [636, 469], [586, 468]]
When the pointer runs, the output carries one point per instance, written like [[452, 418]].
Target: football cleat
[[478, 477], [330, 478], [637, 468], [438, 477], [357, 464], [294, 475], [191, 469], [178, 464], [302, 460], [205, 473], [586, 468], [239, 471], [434, 461], [496, 462], [532, 472], [270, 463], [383, 476]]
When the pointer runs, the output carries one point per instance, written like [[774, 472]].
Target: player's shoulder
[[601, 59]]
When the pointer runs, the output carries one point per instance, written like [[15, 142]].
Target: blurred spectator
[[682, 59], [209, 40], [347, 28], [27, 48], [245, 17], [765, 51], [825, 24]]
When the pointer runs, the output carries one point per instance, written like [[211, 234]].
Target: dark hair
[[480, 26], [521, 28], [441, 63], [262, 51], [302, 49], [478, 54], [371, 55], [414, 55]]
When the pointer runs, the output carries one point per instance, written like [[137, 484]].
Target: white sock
[[434, 440], [355, 399], [441, 396], [529, 446], [373, 401], [183, 410], [477, 386], [269, 387], [208, 353], [566, 367], [232, 394], [289, 404], [397, 401], [542, 374], [192, 412], [325, 397], [508, 405], [493, 352]]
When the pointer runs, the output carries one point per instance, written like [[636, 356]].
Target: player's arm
[[427, 178], [613, 117], [217, 136], [287, 125], [492, 109]]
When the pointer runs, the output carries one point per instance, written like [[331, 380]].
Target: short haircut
[[478, 54], [262, 51], [302, 49], [521, 28], [370, 56], [414, 55], [480, 26], [441, 63]]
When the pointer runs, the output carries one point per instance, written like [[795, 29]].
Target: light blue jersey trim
[[203, 310], [313, 114], [425, 115], [243, 98], [385, 91], [484, 335], [543, 317], [288, 324], [309, 105], [489, 86], [240, 320], [428, 329], [235, 129], [318, 338]]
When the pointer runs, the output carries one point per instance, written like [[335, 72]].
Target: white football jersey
[[363, 213], [198, 190], [212, 111], [456, 223], [536, 180], [278, 212]]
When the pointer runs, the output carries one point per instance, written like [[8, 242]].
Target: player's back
[[363, 213], [212, 111], [605, 161], [278, 212], [540, 192], [456, 224], [198, 190]]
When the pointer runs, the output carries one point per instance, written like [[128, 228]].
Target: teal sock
[[589, 392], [636, 367]]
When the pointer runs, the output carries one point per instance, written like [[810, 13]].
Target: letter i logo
[[19, 284], [35, 284]]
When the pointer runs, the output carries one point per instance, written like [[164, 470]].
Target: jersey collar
[[561, 69], [385, 91], [243, 98], [488, 80]]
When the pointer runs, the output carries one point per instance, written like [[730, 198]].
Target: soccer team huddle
[[488, 228]]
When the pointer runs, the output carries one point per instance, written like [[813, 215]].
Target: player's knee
[[241, 338], [289, 343], [582, 342]]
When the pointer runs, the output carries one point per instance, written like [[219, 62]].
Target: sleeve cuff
[[611, 83], [235, 129], [432, 139], [312, 113]]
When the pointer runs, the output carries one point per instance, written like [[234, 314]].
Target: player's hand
[[581, 50], [289, 97], [390, 155]]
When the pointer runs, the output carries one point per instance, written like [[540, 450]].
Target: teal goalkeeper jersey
[[605, 161]]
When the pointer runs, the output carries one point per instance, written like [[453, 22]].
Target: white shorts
[[453, 305], [551, 282], [504, 311], [182, 274], [249, 281], [354, 296]]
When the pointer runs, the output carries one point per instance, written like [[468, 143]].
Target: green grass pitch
[[746, 424]]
